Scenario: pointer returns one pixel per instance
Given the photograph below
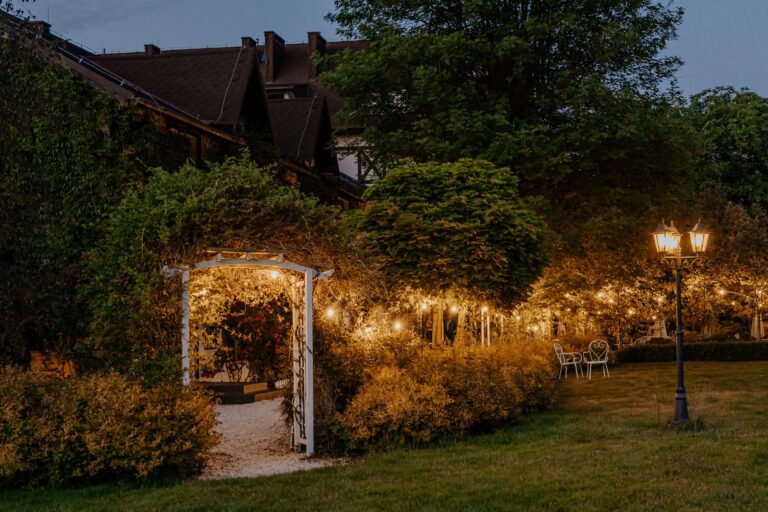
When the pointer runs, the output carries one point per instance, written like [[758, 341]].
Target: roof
[[297, 125], [208, 83]]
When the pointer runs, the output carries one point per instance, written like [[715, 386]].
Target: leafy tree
[[518, 83], [734, 129], [455, 227]]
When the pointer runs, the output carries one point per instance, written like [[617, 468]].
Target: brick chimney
[[247, 42], [274, 47], [150, 49], [315, 44], [41, 27]]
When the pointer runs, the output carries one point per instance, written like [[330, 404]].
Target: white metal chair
[[597, 354], [567, 359]]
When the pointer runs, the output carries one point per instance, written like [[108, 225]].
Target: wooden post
[[185, 327], [295, 298], [309, 399]]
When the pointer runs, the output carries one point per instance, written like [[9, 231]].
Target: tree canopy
[[515, 83], [459, 227]]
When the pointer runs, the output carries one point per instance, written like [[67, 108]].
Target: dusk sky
[[722, 42]]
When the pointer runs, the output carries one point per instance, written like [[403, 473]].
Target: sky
[[722, 42]]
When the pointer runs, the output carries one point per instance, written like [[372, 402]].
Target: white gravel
[[255, 442]]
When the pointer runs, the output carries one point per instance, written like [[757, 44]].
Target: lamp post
[[667, 240]]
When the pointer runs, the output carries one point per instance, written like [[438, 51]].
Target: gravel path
[[255, 442]]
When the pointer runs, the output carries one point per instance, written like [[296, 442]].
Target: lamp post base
[[681, 407]]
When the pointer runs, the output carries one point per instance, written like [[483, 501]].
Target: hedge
[[99, 428], [696, 351]]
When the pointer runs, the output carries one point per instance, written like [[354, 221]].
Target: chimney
[[315, 44], [247, 42], [274, 47], [41, 27], [150, 49]]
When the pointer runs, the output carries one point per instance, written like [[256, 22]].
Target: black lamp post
[[667, 239]]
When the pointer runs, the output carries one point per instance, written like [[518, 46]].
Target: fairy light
[[274, 274], [397, 325], [330, 312]]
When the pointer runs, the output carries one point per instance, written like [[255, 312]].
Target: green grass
[[606, 447]]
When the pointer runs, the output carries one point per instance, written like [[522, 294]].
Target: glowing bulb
[[454, 309], [397, 325], [329, 312], [653, 317], [369, 330], [721, 292], [484, 309], [659, 299], [631, 311], [202, 293], [423, 306], [600, 295], [517, 317], [273, 274]]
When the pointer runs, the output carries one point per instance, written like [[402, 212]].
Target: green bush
[[702, 351], [453, 391], [98, 428]]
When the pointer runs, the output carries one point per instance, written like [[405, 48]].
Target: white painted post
[[309, 398], [482, 328], [185, 327], [295, 356]]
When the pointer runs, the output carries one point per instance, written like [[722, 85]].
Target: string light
[[454, 309], [330, 312], [423, 306], [484, 309], [397, 325], [274, 274]]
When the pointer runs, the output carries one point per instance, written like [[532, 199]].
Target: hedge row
[[697, 351], [98, 428], [448, 392]]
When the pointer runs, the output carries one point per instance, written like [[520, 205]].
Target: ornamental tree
[[455, 227]]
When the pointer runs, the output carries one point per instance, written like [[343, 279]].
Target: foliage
[[256, 338], [516, 83], [702, 351], [458, 226], [733, 126], [168, 223], [67, 154], [444, 392], [99, 428]]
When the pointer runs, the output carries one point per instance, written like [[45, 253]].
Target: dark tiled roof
[[209, 83], [296, 124]]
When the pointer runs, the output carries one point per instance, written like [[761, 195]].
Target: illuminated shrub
[[453, 391], [99, 428]]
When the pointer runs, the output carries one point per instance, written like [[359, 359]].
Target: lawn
[[605, 447]]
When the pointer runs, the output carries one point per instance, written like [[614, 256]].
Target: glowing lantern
[[699, 237], [667, 238]]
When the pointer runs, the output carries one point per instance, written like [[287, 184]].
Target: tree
[[734, 129], [456, 227], [512, 82]]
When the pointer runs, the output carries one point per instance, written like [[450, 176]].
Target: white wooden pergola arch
[[301, 290]]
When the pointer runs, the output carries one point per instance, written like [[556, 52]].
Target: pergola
[[301, 284]]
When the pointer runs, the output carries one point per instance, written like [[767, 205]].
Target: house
[[290, 72], [213, 102]]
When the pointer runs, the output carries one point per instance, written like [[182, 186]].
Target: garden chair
[[567, 359], [597, 354]]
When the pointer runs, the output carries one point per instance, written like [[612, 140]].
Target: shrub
[[99, 428], [703, 351], [454, 391]]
